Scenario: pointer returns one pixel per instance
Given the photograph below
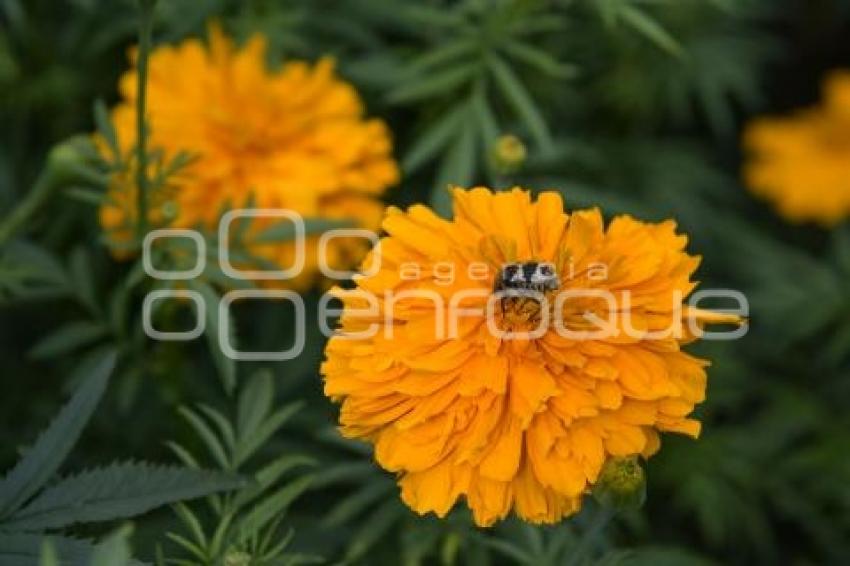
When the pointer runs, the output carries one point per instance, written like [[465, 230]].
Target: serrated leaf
[[23, 549], [118, 491], [44, 458]]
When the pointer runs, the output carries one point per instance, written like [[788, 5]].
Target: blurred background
[[635, 106]]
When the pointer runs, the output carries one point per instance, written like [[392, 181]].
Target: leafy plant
[[33, 503], [245, 525]]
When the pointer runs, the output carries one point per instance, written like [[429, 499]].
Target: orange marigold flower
[[294, 138], [801, 163], [524, 424]]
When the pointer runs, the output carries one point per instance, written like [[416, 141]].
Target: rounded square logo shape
[[224, 325], [259, 274], [326, 237], [182, 275], [182, 336]]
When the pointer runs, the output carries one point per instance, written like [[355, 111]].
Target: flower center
[[519, 313]]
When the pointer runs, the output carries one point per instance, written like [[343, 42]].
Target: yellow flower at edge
[[294, 137], [801, 163], [524, 424]]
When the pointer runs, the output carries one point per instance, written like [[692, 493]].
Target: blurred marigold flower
[[528, 423], [801, 163], [294, 138]]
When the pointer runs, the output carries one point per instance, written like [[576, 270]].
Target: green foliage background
[[632, 105]]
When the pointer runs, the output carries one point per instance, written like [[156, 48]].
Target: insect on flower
[[528, 424], [520, 278], [528, 276]]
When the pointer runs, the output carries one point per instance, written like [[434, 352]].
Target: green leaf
[[651, 29], [119, 491], [27, 549], [269, 475], [486, 119], [193, 524], [540, 60], [432, 140], [521, 101], [24, 549], [225, 429], [206, 434], [359, 501], [82, 278], [434, 84], [106, 129], [439, 56], [114, 550], [68, 338], [247, 446], [48, 554], [226, 366], [374, 527], [42, 460], [272, 507], [457, 168], [255, 402], [86, 195]]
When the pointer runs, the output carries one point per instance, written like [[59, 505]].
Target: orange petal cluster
[[801, 163], [522, 424], [293, 138]]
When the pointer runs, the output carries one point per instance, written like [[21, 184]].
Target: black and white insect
[[527, 276]]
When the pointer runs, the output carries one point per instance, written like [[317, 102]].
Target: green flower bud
[[170, 210], [70, 160], [508, 154], [621, 484], [237, 558]]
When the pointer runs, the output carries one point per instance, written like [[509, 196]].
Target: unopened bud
[[74, 160], [621, 484], [237, 558], [170, 210], [508, 154]]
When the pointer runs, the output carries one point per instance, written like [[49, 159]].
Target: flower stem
[[145, 30], [64, 164], [42, 188], [589, 537]]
